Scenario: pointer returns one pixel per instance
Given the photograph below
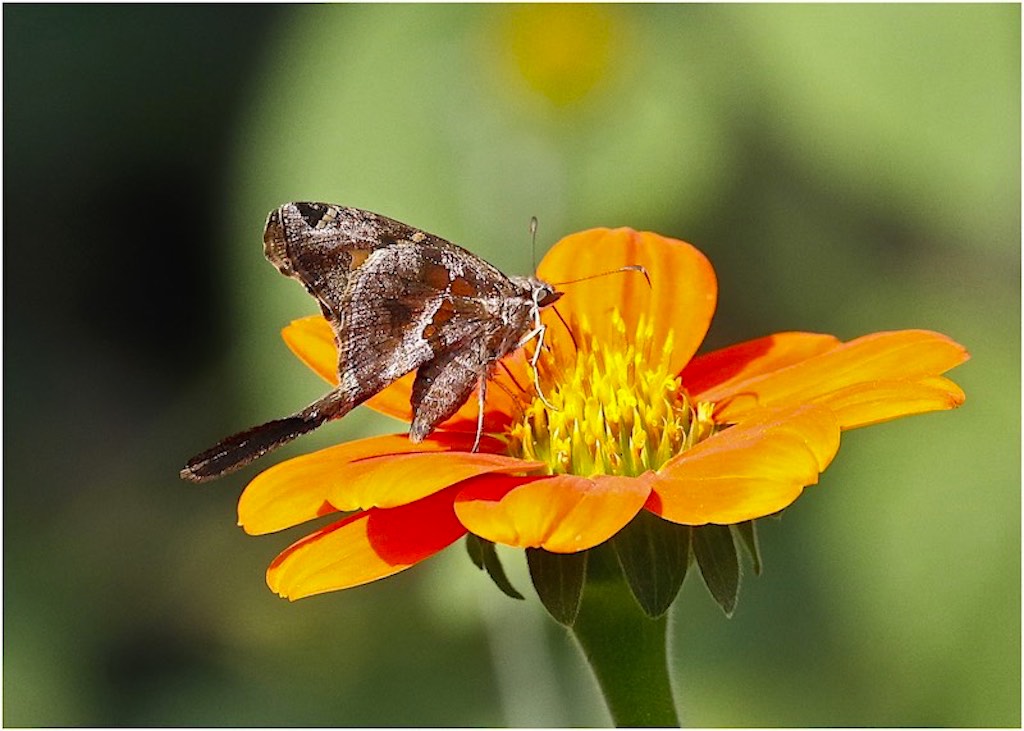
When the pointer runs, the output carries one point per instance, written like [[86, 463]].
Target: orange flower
[[639, 423]]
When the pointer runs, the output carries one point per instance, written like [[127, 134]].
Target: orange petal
[[296, 490], [681, 297], [312, 341], [365, 547], [393, 401], [713, 375], [904, 355], [747, 471], [871, 403], [387, 482], [561, 513]]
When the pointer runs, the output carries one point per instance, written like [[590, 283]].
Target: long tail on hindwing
[[238, 450]]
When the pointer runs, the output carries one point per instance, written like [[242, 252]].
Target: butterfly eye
[[547, 296]]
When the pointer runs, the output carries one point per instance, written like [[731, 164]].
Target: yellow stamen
[[618, 409]]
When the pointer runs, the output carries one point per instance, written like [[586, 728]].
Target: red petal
[[366, 547]]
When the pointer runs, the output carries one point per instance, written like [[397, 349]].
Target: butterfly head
[[542, 293]]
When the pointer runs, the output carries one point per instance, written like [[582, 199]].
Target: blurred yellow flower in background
[[562, 51]]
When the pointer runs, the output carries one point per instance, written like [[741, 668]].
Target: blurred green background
[[847, 169]]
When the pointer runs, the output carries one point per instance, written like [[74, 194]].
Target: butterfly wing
[[396, 297]]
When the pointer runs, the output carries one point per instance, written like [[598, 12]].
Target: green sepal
[[558, 579], [483, 554], [719, 563], [747, 533], [654, 554]]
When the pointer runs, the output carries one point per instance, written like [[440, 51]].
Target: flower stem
[[625, 648]]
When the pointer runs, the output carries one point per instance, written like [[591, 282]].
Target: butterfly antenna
[[533, 244], [628, 268], [568, 330]]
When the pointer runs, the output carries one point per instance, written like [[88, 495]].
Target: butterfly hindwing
[[442, 385]]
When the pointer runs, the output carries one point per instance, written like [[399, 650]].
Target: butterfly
[[398, 299]]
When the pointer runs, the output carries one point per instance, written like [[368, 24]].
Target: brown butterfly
[[398, 299]]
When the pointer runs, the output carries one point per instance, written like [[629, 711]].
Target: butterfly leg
[[481, 397], [537, 332]]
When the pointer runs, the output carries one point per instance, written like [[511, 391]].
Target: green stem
[[626, 649]]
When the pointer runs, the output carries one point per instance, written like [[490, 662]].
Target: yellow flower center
[[613, 407]]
